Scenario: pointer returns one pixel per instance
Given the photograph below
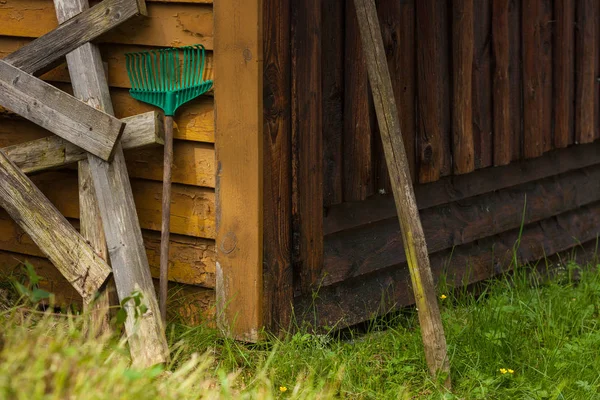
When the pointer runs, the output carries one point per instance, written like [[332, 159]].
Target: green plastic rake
[[167, 79]]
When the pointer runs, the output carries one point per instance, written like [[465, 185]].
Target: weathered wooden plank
[[61, 243], [357, 300], [533, 143], [43, 53], [53, 151], [192, 259], [515, 71], [351, 215], [145, 334], [430, 321], [429, 119], [564, 72], [545, 66], [277, 159], [501, 83], [482, 84], [239, 143], [332, 62], [584, 64], [164, 25], [63, 115], [398, 30], [307, 208], [348, 254], [462, 107], [358, 158], [193, 210], [112, 54]]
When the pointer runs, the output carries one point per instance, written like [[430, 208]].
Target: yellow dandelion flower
[[510, 371], [443, 297], [282, 389], [503, 371]]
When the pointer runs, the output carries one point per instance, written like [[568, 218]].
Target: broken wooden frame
[[34, 213]]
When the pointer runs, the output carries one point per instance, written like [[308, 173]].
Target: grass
[[547, 332]]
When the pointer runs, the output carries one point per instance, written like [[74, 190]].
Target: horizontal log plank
[[53, 151], [112, 54], [67, 250], [192, 210], [378, 208], [29, 18], [357, 300], [174, 24], [190, 305], [361, 251], [60, 113], [194, 162], [194, 121], [192, 259]]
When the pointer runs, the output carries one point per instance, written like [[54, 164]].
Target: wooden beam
[[146, 335], [58, 112], [585, 60], [277, 207], [52, 151], [446, 190], [42, 54], [564, 67], [462, 107], [357, 300], [357, 252], [430, 320], [307, 131], [239, 144], [501, 83], [61, 243]]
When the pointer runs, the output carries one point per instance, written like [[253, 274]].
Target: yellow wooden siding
[[170, 23]]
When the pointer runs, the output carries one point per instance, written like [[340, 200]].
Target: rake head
[[168, 78]]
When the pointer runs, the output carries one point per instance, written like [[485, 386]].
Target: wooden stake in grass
[[413, 238]]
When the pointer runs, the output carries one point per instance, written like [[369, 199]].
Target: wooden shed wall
[[498, 102], [170, 23]]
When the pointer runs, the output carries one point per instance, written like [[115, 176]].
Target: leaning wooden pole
[[413, 238]]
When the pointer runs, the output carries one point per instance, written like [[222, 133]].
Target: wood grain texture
[[463, 152], [145, 334], [430, 322], [333, 65], [348, 216], [482, 85], [533, 142], [53, 151], [357, 300], [585, 51], [165, 228], [545, 66], [43, 53], [358, 140], [564, 72], [67, 250], [348, 254], [308, 139], [277, 158], [398, 31], [515, 71], [165, 25], [192, 259], [429, 118], [501, 83], [239, 144], [63, 115]]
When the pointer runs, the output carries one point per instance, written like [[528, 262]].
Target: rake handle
[[166, 216]]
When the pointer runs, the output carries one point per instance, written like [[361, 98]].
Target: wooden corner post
[[238, 54]]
